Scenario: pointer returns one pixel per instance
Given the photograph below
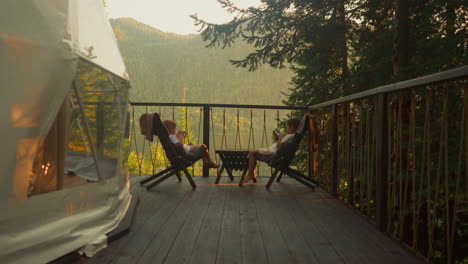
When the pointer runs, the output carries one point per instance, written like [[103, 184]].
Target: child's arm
[[180, 135], [282, 137], [279, 139]]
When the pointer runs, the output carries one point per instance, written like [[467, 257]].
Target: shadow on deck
[[227, 224]]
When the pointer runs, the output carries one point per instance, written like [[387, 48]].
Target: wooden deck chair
[[175, 153], [283, 157]]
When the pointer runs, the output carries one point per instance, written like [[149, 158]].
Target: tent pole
[[79, 126], [88, 134]]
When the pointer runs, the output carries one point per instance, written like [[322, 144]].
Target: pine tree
[[309, 35]]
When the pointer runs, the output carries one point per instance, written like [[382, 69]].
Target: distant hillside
[[161, 65]]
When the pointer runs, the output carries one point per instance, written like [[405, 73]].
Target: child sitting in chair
[[291, 126], [179, 138]]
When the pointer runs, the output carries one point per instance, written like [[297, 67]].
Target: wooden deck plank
[[377, 243], [322, 248], [181, 250], [337, 220], [348, 245], [334, 228], [294, 237], [138, 243], [374, 236], [227, 224], [161, 243], [147, 207], [206, 247], [275, 247], [229, 251], [251, 237]]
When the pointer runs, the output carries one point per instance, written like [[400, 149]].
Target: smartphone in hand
[[275, 135]]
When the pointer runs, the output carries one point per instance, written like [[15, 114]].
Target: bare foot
[[253, 175], [247, 178]]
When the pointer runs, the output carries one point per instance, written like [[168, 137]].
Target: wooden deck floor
[[227, 224]]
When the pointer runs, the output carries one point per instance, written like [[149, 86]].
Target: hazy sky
[[173, 15]]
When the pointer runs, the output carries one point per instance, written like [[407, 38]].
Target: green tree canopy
[[338, 47]]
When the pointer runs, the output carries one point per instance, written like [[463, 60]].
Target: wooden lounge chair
[[281, 161], [175, 153]]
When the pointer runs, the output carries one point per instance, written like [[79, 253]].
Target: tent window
[[89, 127], [104, 100]]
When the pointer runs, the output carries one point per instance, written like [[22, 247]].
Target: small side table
[[233, 160]]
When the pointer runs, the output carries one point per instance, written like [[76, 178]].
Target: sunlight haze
[[173, 15]]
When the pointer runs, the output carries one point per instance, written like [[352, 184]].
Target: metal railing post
[[310, 154], [334, 150], [382, 163], [206, 135], [349, 147]]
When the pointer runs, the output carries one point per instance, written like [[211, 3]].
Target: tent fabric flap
[[50, 208]]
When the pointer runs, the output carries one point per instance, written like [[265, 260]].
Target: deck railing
[[399, 155], [231, 126]]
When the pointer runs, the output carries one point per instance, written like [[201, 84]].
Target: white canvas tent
[[63, 119]]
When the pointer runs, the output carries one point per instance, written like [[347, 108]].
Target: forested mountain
[[162, 65]]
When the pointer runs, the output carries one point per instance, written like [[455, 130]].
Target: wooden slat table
[[233, 160]]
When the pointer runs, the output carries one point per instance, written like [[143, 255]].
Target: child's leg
[[194, 147], [206, 156], [209, 160], [252, 163]]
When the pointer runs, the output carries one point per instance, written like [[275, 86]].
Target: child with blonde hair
[[291, 127], [179, 138]]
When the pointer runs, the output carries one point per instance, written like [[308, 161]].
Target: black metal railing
[[399, 155], [204, 127]]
